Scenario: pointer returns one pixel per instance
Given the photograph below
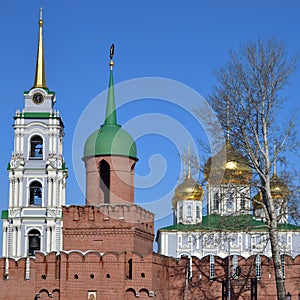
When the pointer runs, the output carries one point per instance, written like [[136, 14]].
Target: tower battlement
[[99, 227]]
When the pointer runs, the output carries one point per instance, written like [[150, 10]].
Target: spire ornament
[[111, 55], [40, 75]]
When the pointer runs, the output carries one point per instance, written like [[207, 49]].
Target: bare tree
[[247, 99]]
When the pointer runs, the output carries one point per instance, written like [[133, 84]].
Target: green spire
[[110, 139], [110, 116]]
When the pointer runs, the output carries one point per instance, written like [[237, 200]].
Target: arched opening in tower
[[35, 193], [34, 242], [105, 180], [36, 147]]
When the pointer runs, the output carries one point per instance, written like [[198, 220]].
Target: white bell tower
[[37, 172]]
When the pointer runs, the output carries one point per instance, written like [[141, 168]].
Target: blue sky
[[180, 40]]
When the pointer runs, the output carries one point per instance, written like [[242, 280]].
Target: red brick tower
[[110, 221], [110, 157]]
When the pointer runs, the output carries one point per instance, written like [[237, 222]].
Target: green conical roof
[[110, 139]]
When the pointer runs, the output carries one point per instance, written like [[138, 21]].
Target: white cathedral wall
[[201, 244]]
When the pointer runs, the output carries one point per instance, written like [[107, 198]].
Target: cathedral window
[[258, 267], [105, 180], [34, 242], [180, 212], [229, 201], [36, 147], [197, 211], [243, 203], [216, 201], [35, 191], [189, 211], [211, 267]]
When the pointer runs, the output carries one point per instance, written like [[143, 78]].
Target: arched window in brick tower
[[104, 170], [36, 147], [129, 269]]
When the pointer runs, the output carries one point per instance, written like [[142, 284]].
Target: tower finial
[[40, 75], [111, 117], [111, 55]]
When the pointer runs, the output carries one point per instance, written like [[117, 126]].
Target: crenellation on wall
[[152, 274]]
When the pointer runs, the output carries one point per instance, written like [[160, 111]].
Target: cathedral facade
[[231, 225]]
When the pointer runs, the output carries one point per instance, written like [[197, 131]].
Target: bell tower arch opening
[[34, 242], [35, 193], [36, 147]]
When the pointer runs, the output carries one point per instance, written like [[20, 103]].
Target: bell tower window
[[35, 193], [105, 180], [36, 147], [34, 242]]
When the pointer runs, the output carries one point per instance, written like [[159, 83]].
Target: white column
[[48, 246], [50, 141], [20, 192], [14, 246], [16, 200], [55, 142], [53, 244], [17, 137], [22, 142], [49, 192], [19, 242], [55, 192], [5, 242], [10, 192], [60, 195]]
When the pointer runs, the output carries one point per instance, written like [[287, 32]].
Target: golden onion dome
[[257, 201], [279, 190], [227, 166], [189, 189]]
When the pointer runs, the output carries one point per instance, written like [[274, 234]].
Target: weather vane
[[111, 55]]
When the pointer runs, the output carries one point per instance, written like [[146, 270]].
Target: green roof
[[45, 89], [4, 215], [216, 222], [36, 115], [110, 139]]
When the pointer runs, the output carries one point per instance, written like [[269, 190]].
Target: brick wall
[[108, 228], [72, 275]]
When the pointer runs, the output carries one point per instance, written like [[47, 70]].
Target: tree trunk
[[273, 233]]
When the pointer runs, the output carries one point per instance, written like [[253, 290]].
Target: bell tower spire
[[40, 75]]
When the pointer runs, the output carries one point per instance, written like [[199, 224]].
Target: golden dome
[[189, 189], [229, 166], [279, 190]]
